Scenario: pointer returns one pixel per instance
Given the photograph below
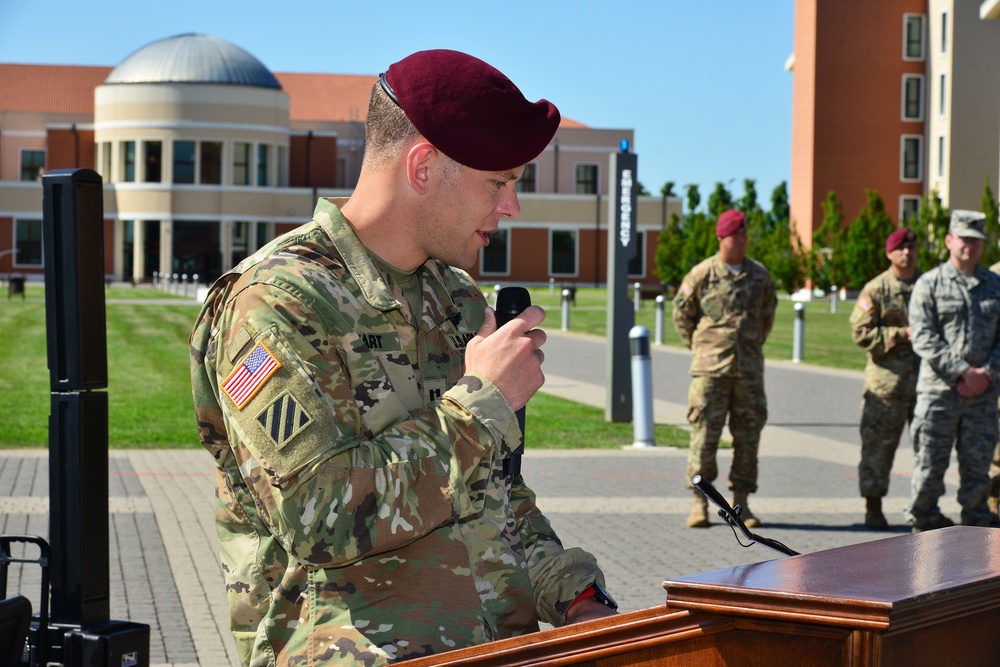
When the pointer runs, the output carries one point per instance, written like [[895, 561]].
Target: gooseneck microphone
[[731, 516], [511, 302]]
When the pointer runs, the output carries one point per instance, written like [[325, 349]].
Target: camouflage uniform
[[724, 318], [878, 325], [955, 321], [363, 513], [995, 464]]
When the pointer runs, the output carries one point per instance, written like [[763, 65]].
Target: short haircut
[[387, 129]]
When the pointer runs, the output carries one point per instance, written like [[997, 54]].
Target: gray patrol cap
[[968, 224]]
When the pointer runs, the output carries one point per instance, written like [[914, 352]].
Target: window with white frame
[[494, 259], [940, 156], [527, 181], [263, 164], [128, 161], [32, 164], [562, 252], [909, 210], [586, 179], [184, 152], [241, 163], [913, 36], [913, 97], [28, 242], [942, 94], [911, 154], [152, 161], [944, 32]]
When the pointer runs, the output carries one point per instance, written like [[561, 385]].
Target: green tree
[[991, 246], [748, 203], [773, 243], [668, 189], [642, 191], [779, 216], [931, 227], [825, 263], [693, 198], [720, 200], [699, 240], [669, 251], [864, 242]]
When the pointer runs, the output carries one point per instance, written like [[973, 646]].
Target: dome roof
[[193, 58]]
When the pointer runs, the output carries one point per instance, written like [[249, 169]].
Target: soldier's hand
[[510, 357], [973, 382]]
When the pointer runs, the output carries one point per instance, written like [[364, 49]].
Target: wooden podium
[[926, 599]]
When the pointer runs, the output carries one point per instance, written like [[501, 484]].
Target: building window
[[942, 94], [263, 153], [909, 209], [527, 181], [241, 164], [495, 258], [940, 156], [28, 243], [211, 163], [32, 165], [637, 265], [913, 97], [128, 161], [152, 158], [913, 37], [562, 253], [183, 162], [944, 32], [586, 179], [911, 150]]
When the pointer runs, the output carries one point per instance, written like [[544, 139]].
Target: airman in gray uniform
[[994, 498], [724, 311], [955, 320], [880, 325]]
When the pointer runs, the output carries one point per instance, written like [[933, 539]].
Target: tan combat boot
[[994, 504], [874, 518], [740, 498], [699, 512]]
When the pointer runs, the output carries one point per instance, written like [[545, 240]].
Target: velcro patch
[[283, 419], [250, 375]]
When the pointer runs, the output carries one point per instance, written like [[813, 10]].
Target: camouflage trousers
[[942, 420], [882, 422], [710, 400]]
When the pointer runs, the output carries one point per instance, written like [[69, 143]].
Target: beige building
[[205, 155]]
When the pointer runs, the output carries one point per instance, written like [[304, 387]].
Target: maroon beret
[[470, 110], [729, 222], [898, 238]]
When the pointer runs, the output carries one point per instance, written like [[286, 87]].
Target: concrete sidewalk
[[627, 507]]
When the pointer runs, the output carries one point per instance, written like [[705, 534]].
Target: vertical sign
[[621, 314]]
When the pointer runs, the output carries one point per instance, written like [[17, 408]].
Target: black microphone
[[711, 493], [511, 302]]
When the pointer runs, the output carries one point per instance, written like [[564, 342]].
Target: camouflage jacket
[[878, 324], [362, 512], [955, 322], [725, 318]]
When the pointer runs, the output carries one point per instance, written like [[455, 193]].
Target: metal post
[[660, 307], [184, 283], [565, 310], [799, 333], [833, 299], [552, 285], [496, 291], [637, 296], [642, 388]]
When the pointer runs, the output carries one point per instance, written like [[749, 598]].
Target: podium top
[[861, 585]]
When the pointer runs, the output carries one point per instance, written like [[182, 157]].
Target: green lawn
[[149, 389]]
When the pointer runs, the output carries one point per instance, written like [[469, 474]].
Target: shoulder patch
[[864, 304], [686, 288], [283, 419], [250, 375]]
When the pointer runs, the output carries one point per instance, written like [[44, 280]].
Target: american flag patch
[[864, 304], [687, 289], [248, 378]]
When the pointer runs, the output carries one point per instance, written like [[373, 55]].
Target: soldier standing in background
[[955, 319], [993, 501], [724, 311], [880, 325]]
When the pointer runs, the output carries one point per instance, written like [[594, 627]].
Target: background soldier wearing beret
[[360, 401], [880, 325], [723, 312], [955, 320]]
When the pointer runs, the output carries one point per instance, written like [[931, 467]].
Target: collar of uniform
[[953, 273], [356, 258], [722, 269]]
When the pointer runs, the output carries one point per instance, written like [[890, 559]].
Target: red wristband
[[589, 593]]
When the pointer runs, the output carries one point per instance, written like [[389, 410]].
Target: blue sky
[[702, 82]]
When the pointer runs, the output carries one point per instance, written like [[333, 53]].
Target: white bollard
[[642, 388], [660, 308], [637, 296], [565, 310], [799, 333]]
